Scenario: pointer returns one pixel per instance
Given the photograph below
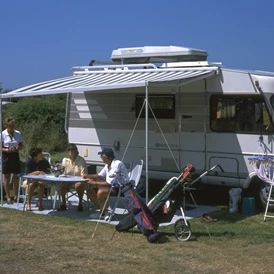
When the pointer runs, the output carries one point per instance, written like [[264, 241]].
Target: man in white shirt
[[102, 182]]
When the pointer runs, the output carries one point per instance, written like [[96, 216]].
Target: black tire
[[182, 230], [263, 195]]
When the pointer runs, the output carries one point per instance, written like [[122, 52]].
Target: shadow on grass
[[163, 236], [214, 234], [196, 235], [225, 216]]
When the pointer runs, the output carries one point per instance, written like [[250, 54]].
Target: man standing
[[102, 182]]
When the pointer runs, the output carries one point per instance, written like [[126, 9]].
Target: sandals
[[207, 219]]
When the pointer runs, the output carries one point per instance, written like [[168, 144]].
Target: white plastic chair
[[135, 172], [134, 176], [23, 190]]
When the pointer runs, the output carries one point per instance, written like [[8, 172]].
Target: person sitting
[[74, 165], [101, 183], [36, 165]]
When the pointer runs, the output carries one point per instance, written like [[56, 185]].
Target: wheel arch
[[252, 181]]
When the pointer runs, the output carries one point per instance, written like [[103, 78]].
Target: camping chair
[[73, 193], [47, 191], [134, 176], [23, 189], [135, 172]]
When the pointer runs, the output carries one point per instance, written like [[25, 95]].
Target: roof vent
[[157, 54]]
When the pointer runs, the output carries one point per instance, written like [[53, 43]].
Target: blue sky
[[44, 39]]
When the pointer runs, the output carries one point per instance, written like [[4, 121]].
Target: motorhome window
[[163, 106], [246, 114]]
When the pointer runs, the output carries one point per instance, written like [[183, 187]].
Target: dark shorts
[[11, 163], [114, 191]]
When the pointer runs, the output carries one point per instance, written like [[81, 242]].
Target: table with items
[[57, 181]]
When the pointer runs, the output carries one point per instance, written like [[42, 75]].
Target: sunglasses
[[71, 149]]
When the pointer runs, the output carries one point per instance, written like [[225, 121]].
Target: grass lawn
[[32, 243]]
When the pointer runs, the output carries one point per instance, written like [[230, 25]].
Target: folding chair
[[73, 193], [23, 189], [47, 190], [135, 172], [134, 176]]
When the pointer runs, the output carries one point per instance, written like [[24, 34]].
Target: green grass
[[32, 243]]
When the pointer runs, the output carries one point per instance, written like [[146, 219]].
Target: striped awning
[[84, 80]]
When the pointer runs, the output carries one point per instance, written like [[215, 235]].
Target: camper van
[[198, 112], [169, 106]]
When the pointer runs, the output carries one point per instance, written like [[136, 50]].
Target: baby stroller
[[164, 205]]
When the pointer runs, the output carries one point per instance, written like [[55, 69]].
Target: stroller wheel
[[182, 232]]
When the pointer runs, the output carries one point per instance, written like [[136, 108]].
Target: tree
[[40, 121]]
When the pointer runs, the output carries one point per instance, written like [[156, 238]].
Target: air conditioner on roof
[[157, 54]]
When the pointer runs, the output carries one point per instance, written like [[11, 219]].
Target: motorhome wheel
[[263, 194]]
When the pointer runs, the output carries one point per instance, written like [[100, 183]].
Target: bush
[[40, 121]]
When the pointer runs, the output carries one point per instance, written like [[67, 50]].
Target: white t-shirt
[[77, 168], [9, 141], [117, 167]]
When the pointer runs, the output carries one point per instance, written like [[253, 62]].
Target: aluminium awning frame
[[88, 79], [85, 80]]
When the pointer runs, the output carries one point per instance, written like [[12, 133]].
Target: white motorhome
[[204, 115], [197, 112]]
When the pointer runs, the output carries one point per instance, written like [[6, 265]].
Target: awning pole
[[146, 143]]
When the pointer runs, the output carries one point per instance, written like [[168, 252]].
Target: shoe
[[9, 202], [107, 215], [80, 208], [93, 207], [62, 208], [96, 216], [40, 208]]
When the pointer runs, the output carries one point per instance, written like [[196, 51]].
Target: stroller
[[164, 205]]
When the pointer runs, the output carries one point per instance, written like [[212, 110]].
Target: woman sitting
[[36, 165]]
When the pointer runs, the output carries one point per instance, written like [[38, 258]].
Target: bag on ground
[[234, 199], [141, 214], [164, 204]]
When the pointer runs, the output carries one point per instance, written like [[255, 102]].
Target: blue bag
[[141, 213]]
